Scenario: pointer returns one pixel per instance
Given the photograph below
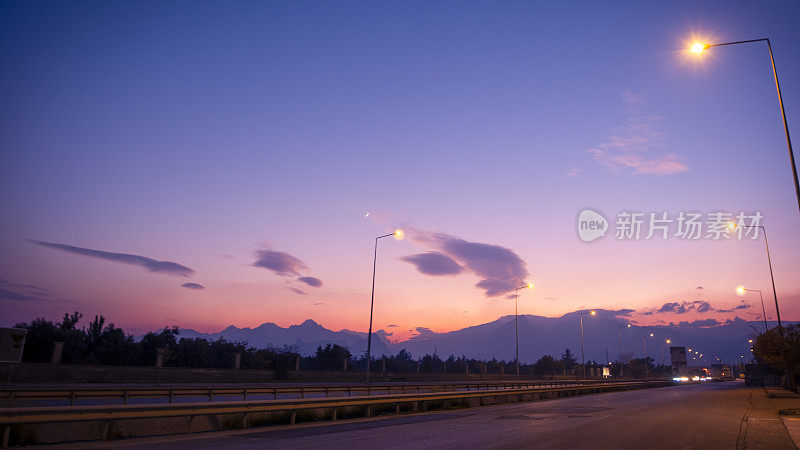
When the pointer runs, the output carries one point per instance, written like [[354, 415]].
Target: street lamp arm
[[737, 42], [780, 103]]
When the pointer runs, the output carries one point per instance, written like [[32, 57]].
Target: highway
[[708, 415]]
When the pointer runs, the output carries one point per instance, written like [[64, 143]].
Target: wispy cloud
[[434, 263], [311, 281], [742, 305], [700, 323], [28, 289], [195, 286], [18, 297], [573, 172], [700, 306], [285, 265], [500, 268], [296, 291], [150, 264], [280, 263], [635, 145]]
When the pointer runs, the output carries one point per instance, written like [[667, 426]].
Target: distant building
[[679, 362]]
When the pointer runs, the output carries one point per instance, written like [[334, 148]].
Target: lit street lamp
[[516, 322], [741, 290], [732, 226], [621, 363], [699, 47], [644, 354], [398, 234], [663, 358], [583, 359]]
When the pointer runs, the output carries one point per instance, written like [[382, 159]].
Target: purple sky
[[213, 163]]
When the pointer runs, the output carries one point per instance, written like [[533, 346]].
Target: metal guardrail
[[108, 413], [8, 397]]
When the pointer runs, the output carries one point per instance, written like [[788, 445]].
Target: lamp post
[[663, 358], [621, 363], [732, 226], [583, 359], [698, 47], [516, 323], [398, 234], [741, 290], [644, 354]]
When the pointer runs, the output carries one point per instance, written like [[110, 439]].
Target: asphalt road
[[708, 415]]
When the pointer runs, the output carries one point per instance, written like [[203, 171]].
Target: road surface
[[708, 415]]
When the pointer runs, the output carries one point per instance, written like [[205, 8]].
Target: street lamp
[[741, 290], [644, 354], [699, 47], [583, 359], [621, 363], [663, 358], [732, 226], [398, 234], [516, 322]]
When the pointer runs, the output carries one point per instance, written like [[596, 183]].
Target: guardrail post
[[275, 392], [211, 396], [125, 398], [333, 415], [170, 395], [107, 430], [244, 395], [6, 435], [294, 417], [369, 410], [244, 420], [72, 398], [397, 408], [302, 392]]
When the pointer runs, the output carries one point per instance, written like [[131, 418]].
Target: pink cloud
[[634, 145]]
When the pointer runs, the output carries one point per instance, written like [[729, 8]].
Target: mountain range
[[538, 336]]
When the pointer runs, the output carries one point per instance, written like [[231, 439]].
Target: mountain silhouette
[[538, 336]]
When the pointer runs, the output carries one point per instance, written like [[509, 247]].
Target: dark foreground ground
[[709, 415]]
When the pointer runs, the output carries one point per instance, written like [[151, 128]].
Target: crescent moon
[[367, 214]]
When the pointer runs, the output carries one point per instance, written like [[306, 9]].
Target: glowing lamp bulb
[[669, 341], [593, 313], [740, 290], [399, 234], [530, 285], [697, 47]]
